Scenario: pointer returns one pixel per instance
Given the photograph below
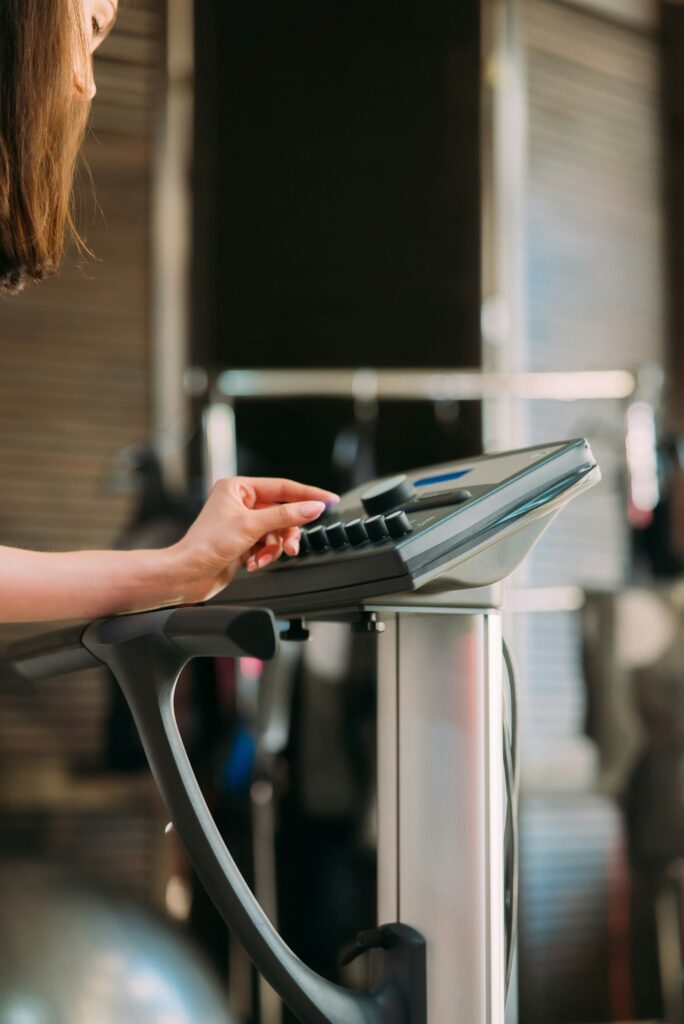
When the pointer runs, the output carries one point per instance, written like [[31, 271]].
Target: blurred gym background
[[487, 186]]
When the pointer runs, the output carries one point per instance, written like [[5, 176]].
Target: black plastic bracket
[[296, 631], [371, 938], [367, 622]]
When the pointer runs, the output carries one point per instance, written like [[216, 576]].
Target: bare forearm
[[39, 586], [244, 520]]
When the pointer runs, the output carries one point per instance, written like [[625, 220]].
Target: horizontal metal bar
[[405, 385]]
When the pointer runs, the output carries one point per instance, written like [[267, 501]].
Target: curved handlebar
[[146, 653]]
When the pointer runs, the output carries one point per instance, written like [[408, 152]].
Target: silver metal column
[[441, 800]]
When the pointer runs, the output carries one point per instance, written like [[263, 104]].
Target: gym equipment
[[396, 559], [72, 951], [445, 525]]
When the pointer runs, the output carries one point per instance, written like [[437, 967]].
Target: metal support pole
[[441, 801]]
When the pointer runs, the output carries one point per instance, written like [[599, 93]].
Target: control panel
[[400, 533]]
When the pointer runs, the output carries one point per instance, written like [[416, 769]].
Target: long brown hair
[[42, 123]]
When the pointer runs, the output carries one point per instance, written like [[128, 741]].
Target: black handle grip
[[223, 632], [210, 630], [51, 654]]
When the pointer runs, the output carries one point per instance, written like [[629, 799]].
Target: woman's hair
[[42, 122]]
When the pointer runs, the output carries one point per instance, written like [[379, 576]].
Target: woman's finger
[[272, 489], [270, 540], [272, 545], [264, 553], [259, 522], [291, 541], [267, 550], [249, 558]]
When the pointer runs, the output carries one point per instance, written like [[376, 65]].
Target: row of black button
[[356, 532]]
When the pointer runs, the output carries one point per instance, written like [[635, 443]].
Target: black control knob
[[398, 524], [337, 535], [356, 532], [318, 538], [386, 495], [304, 546], [376, 528]]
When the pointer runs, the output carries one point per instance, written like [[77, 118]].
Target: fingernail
[[263, 560], [312, 509], [294, 548], [331, 502]]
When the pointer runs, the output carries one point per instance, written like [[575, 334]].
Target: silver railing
[[366, 387]]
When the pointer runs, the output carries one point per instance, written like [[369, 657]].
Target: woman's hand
[[244, 521], [248, 521]]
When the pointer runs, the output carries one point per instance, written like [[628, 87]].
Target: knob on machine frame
[[386, 495]]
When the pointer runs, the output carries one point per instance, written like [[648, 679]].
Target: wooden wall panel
[[74, 351]]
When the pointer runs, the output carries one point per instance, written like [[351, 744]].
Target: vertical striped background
[[74, 388]]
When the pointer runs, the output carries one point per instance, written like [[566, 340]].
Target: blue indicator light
[[444, 478]]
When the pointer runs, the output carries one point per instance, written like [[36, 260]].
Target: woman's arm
[[36, 586], [244, 520]]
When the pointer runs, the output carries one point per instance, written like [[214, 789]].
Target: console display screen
[[442, 478], [488, 471]]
